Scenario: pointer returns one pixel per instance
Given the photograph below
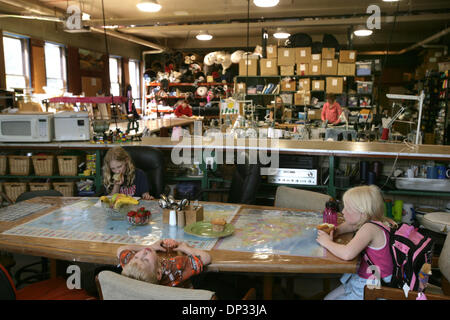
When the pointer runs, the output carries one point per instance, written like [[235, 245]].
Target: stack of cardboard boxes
[[289, 62]]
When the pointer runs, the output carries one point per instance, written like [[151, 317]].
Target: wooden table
[[222, 260]]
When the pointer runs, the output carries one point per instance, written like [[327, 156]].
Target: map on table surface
[[275, 232], [21, 210], [85, 221]]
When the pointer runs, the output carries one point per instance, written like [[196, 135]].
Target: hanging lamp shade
[[148, 5], [362, 31], [266, 3], [204, 36], [281, 33]]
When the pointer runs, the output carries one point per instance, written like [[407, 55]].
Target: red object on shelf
[[114, 100], [385, 134]]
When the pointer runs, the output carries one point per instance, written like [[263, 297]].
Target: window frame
[[26, 67], [119, 73], [137, 71], [63, 62]]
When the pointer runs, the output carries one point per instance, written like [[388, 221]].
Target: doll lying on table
[[143, 262]]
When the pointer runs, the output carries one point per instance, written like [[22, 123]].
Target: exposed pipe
[[418, 44], [48, 14]]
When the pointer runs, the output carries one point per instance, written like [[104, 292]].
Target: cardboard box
[[328, 53], [304, 84], [287, 70], [329, 67], [346, 69], [252, 65], [268, 67], [318, 85], [288, 85], [302, 55], [335, 85], [302, 69], [317, 57], [315, 114], [302, 98], [314, 68], [272, 51], [347, 56], [286, 56]]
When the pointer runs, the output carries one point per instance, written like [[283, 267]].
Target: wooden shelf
[[188, 84]]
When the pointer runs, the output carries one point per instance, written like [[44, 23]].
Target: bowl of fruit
[[139, 217], [118, 205]]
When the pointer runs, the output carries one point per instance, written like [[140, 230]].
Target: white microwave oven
[[26, 127]]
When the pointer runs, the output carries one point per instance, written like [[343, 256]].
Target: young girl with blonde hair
[[121, 176], [364, 214]]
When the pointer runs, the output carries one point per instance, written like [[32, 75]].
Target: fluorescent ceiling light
[[148, 5], [266, 3], [362, 32], [281, 34], [204, 36], [85, 17], [391, 0]]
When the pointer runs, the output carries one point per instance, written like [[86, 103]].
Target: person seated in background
[[331, 110], [183, 109], [143, 263], [276, 113]]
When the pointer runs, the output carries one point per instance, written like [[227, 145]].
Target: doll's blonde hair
[[117, 154], [135, 271], [368, 201]]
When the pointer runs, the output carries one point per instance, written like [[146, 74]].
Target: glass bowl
[[118, 214], [138, 221]]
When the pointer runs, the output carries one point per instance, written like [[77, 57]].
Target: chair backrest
[[39, 193], [444, 258], [113, 286], [245, 184], [287, 197], [7, 287], [151, 161]]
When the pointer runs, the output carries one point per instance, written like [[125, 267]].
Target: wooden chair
[[113, 286], [52, 289]]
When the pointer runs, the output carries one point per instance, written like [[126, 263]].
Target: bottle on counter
[[330, 214]]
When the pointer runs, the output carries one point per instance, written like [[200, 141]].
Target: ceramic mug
[[431, 172], [441, 172]]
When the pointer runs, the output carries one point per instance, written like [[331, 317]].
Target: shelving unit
[[183, 88]]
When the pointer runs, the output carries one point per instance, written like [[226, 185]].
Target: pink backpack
[[410, 250]]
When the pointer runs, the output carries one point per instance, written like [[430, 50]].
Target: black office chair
[[244, 185], [151, 161], [44, 272]]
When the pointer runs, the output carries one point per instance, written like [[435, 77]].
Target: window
[[114, 76], [55, 66], [16, 62], [135, 81]]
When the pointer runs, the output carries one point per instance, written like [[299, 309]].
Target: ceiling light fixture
[[391, 0], [281, 34], [362, 31], [204, 36], [266, 3], [148, 5]]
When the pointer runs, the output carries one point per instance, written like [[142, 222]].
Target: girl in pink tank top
[[362, 205]]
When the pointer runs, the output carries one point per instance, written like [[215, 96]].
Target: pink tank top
[[380, 257]]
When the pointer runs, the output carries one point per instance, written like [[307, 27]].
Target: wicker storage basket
[[19, 165], [43, 165], [66, 188], [14, 189], [68, 165], [3, 165], [37, 186]]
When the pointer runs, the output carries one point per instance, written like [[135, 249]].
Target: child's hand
[[147, 196], [158, 246], [323, 238]]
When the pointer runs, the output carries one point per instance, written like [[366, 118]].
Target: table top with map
[[261, 234]]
